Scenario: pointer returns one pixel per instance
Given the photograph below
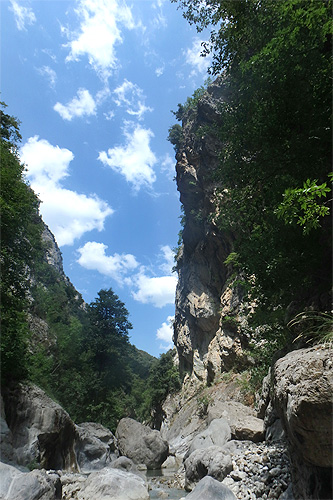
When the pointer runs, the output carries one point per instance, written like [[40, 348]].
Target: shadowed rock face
[[302, 395], [205, 347], [42, 431]]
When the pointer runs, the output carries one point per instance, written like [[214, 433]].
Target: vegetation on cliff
[[274, 173]]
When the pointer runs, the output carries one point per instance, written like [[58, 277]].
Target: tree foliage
[[275, 58], [20, 243]]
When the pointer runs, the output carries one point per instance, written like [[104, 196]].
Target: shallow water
[[158, 489]]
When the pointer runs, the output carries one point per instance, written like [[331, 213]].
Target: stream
[[161, 485]]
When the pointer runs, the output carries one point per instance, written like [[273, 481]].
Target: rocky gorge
[[219, 451], [214, 440]]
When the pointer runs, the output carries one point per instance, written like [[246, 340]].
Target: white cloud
[[159, 71], [199, 63], [165, 333], [68, 214], [100, 32], [93, 256], [23, 15], [168, 166], [158, 291], [82, 105], [130, 96], [168, 257], [50, 74], [135, 160]]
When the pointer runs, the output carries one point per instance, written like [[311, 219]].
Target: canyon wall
[[208, 309]]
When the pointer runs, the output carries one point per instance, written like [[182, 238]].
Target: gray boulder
[[210, 489], [141, 444], [212, 461], [125, 464], [113, 484], [6, 438], [42, 431], [218, 433], [243, 423], [95, 446], [35, 485], [302, 392]]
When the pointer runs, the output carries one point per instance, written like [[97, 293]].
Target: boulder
[[95, 446], [218, 433], [113, 484], [302, 396], [125, 464], [302, 391], [210, 489], [6, 438], [141, 444], [35, 485], [212, 461], [42, 431], [243, 423]]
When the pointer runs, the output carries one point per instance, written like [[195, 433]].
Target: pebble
[[261, 471]]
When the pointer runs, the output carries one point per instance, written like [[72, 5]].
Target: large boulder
[[6, 437], [113, 484], [212, 461], [42, 432], [218, 433], [302, 390], [95, 446], [210, 489], [35, 485], [243, 423], [141, 444]]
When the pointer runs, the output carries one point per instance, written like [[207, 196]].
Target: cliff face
[[205, 334]]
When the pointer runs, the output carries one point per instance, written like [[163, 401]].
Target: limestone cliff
[[205, 334]]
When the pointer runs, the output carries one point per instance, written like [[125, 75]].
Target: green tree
[[276, 63], [20, 243]]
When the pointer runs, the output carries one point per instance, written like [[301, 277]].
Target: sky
[[93, 83]]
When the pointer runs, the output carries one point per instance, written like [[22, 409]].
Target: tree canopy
[[275, 59], [20, 242]]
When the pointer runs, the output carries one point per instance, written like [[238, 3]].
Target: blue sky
[[93, 83]]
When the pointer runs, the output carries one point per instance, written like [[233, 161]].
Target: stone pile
[[260, 471]]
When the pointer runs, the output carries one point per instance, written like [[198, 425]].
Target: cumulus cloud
[[165, 333], [193, 57], [68, 214], [99, 33], [130, 96], [168, 167], [93, 256], [168, 258], [23, 15], [135, 160], [49, 74], [82, 105], [158, 291]]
